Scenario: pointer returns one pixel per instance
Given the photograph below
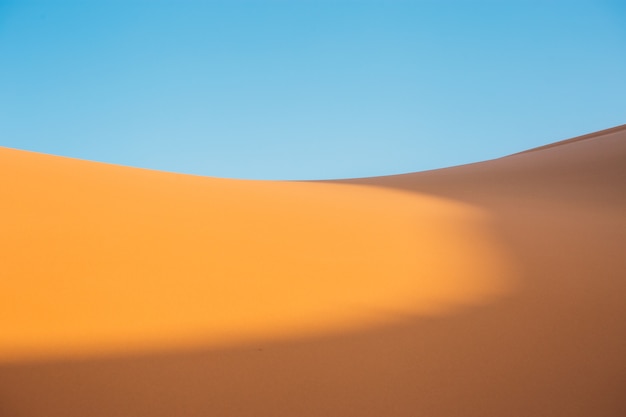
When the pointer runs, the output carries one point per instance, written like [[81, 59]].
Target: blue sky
[[304, 89]]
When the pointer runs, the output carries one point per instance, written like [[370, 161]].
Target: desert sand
[[489, 289]]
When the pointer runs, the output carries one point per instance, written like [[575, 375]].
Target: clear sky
[[305, 89]]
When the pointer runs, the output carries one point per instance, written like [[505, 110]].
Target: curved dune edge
[[102, 259], [593, 135]]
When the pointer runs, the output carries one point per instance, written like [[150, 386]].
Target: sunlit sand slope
[[106, 259], [494, 288]]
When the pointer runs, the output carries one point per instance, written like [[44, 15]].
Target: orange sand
[[494, 288]]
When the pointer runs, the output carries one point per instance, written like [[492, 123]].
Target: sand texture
[[489, 289]]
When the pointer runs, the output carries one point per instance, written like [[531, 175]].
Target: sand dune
[[494, 288]]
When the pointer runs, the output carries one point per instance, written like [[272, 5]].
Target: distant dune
[[489, 289]]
